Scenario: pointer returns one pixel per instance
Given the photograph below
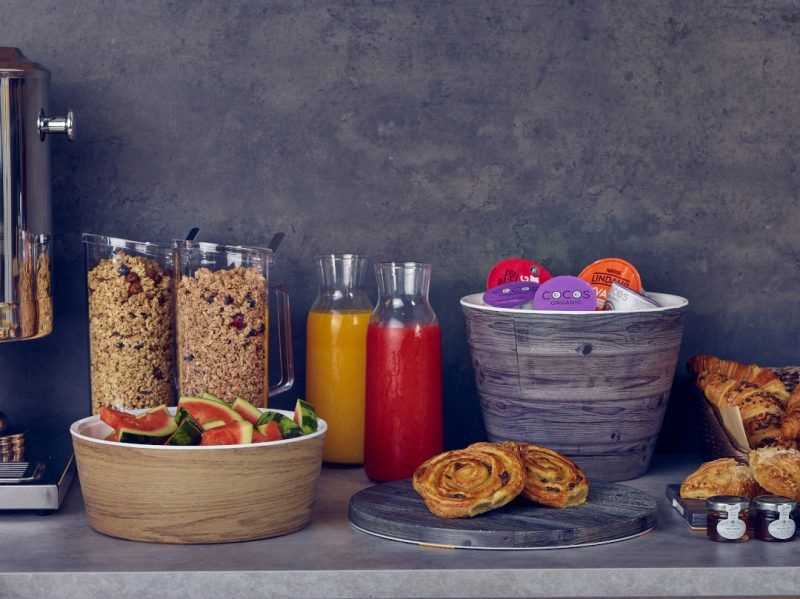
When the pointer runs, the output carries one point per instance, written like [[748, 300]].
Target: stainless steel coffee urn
[[26, 223], [35, 472]]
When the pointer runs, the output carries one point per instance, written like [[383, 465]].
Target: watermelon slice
[[155, 436], [268, 417], [233, 433], [288, 427], [152, 420], [305, 417], [182, 415], [212, 397], [158, 413], [212, 424], [247, 410], [116, 419], [269, 432], [188, 433], [203, 410]]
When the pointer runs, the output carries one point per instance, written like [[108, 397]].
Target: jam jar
[[775, 518], [728, 518]]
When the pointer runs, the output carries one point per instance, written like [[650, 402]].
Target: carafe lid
[[14, 63]]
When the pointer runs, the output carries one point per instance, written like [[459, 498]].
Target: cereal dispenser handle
[[285, 358], [56, 124]]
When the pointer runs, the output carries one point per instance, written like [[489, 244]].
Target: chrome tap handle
[[56, 124]]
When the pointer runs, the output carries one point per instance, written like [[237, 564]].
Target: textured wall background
[[456, 132]]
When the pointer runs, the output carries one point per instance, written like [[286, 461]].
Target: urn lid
[[13, 63]]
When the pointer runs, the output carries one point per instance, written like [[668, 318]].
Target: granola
[[221, 321], [43, 293], [131, 338]]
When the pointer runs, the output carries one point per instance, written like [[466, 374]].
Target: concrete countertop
[[60, 556]]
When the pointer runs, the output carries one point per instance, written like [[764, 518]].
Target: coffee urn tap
[[26, 223]]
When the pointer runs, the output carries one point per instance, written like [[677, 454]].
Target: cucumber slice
[[305, 417], [188, 433], [212, 424]]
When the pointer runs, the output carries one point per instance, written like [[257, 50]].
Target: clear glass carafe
[[336, 347], [404, 374]]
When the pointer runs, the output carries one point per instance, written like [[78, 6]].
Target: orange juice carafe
[[336, 347]]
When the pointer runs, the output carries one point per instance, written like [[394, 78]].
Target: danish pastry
[[550, 478], [467, 482], [777, 470], [725, 476]]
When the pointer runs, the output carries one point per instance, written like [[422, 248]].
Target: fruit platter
[[208, 420]]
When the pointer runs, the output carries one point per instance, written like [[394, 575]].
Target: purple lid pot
[[565, 293], [511, 295]]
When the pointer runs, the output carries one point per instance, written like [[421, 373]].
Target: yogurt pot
[[622, 299]]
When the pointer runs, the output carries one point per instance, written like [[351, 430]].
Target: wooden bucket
[[591, 385]]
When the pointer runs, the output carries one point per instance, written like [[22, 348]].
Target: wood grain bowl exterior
[[592, 386], [201, 496]]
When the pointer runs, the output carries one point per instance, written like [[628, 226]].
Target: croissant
[[725, 476], [716, 386], [550, 478], [762, 412], [790, 429], [777, 470], [753, 373], [467, 482]]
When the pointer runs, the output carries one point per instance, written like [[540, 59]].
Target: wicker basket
[[716, 442]]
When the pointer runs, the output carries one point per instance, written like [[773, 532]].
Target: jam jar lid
[[773, 502], [720, 502]]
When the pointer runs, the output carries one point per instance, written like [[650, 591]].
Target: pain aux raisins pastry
[[485, 476], [725, 476], [467, 482], [550, 478]]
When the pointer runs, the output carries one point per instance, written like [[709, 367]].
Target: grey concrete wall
[[455, 132]]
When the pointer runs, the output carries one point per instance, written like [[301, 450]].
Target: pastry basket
[[715, 440]]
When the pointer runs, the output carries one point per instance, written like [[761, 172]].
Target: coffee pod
[[565, 293], [622, 299], [519, 294], [602, 273], [511, 270]]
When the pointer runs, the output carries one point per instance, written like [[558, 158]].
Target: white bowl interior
[[94, 430], [667, 301]]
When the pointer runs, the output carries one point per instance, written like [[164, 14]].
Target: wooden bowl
[[210, 494], [591, 385]]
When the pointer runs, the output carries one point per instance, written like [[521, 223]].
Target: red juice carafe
[[403, 413]]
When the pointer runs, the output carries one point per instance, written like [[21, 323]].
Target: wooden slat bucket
[[591, 385]]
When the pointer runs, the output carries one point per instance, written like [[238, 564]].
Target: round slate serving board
[[613, 513]]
